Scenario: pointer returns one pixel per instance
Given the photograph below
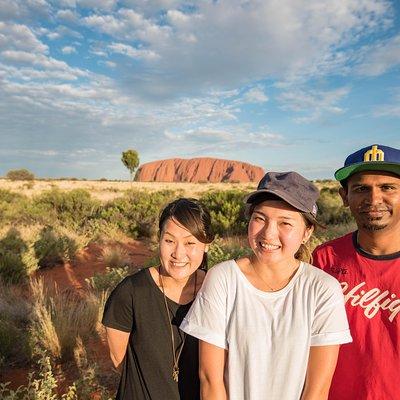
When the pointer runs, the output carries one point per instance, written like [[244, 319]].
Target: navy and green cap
[[372, 158]]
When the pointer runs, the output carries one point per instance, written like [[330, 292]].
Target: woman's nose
[[179, 251], [269, 230]]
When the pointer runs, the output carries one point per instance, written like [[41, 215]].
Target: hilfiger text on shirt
[[372, 301]]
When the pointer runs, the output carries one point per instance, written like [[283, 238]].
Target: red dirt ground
[[72, 276]]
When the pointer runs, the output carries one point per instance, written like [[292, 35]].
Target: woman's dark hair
[[193, 216]]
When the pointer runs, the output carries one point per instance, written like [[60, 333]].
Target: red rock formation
[[198, 170]]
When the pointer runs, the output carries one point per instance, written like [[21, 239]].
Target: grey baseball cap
[[292, 188]]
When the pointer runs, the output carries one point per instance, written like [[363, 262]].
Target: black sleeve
[[118, 310]]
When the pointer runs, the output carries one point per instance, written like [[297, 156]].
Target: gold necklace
[[175, 357], [281, 286]]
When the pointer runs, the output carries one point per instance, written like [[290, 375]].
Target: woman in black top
[[142, 315]]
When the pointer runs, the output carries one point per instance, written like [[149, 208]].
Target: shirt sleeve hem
[[113, 325], [325, 339], [203, 334]]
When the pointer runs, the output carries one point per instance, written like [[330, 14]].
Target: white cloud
[[68, 50], [67, 16], [132, 52], [381, 57], [313, 103], [255, 95], [128, 25], [20, 37], [104, 5], [110, 64]]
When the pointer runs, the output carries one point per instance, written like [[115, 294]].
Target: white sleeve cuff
[[203, 334], [325, 339]]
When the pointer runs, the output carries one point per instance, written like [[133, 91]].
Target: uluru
[[203, 169]]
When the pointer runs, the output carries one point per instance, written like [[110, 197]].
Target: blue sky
[[287, 85]]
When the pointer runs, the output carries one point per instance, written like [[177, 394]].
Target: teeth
[[178, 264], [268, 246]]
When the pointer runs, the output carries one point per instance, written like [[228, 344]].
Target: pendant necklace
[[281, 286], [175, 357]]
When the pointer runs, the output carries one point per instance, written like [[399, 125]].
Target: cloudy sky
[[284, 84]]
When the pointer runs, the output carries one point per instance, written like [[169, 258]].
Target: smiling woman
[[143, 314], [270, 324]]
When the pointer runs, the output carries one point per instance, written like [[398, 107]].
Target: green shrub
[[70, 208], [12, 250], [20, 175], [227, 211], [108, 280], [220, 251], [52, 248], [136, 213], [331, 209]]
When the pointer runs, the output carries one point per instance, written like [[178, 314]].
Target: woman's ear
[[307, 234], [206, 248]]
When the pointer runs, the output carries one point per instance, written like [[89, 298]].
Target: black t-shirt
[[137, 306]]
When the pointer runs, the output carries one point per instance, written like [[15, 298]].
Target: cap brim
[[344, 172], [258, 193], [249, 199]]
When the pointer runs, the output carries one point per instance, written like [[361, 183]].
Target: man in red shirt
[[367, 264]]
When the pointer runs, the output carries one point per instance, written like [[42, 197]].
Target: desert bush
[[108, 280], [14, 320], [53, 248], [70, 208], [115, 256], [331, 209], [226, 210], [13, 263], [136, 213], [43, 385], [15, 208], [222, 250], [59, 318], [20, 175]]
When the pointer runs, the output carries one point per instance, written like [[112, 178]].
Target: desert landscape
[[64, 244]]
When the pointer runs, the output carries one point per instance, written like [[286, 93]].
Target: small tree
[[130, 159], [20, 175]]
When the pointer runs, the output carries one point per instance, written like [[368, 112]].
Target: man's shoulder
[[340, 242]]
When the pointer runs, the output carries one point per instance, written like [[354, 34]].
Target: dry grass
[[107, 190], [115, 256], [60, 318]]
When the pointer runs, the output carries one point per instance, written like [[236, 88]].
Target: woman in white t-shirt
[[270, 324]]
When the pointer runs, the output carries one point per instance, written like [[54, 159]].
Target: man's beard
[[373, 225]]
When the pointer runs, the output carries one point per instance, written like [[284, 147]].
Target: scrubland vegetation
[[51, 329]]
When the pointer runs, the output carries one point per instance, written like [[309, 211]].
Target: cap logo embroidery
[[374, 154]]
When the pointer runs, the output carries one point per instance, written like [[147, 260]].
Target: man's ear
[[343, 195]]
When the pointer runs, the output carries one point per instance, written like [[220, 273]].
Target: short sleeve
[[330, 325], [118, 310], [206, 319]]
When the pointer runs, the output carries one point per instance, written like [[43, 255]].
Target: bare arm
[[117, 343], [320, 369], [212, 365]]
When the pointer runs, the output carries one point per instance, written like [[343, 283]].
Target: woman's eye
[[286, 223], [191, 243], [168, 241]]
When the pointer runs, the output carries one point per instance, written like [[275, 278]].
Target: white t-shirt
[[267, 334]]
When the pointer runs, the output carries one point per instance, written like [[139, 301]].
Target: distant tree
[[130, 158], [20, 175]]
